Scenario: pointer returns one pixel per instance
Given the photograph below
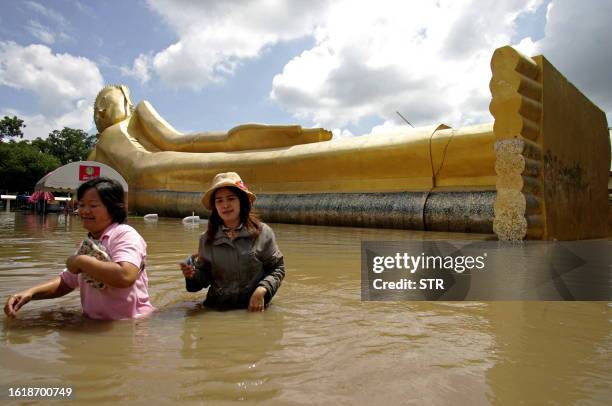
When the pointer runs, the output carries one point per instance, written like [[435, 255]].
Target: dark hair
[[247, 217], [111, 194]]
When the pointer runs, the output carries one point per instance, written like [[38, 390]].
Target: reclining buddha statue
[[546, 154], [113, 105]]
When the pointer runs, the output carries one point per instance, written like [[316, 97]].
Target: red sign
[[88, 172]]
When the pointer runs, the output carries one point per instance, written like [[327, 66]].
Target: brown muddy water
[[317, 344]]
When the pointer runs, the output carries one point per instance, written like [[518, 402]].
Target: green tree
[[11, 127], [22, 165], [68, 145]]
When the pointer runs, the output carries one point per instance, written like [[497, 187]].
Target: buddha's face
[[110, 109]]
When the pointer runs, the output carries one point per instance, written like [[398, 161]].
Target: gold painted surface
[[533, 106], [576, 157], [157, 132], [516, 105], [317, 344], [552, 153], [112, 105], [396, 162]]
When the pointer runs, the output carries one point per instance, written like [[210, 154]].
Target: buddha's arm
[[157, 131]]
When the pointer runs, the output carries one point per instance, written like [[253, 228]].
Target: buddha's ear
[[126, 93]]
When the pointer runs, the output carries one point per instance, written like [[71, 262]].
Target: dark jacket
[[234, 269]]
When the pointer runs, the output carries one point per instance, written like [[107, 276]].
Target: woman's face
[[227, 204], [93, 212]]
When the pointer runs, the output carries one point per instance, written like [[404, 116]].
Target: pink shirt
[[122, 243]]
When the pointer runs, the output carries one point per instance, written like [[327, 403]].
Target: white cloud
[[140, 68], [341, 133], [64, 85], [47, 12], [578, 42], [388, 126], [44, 32], [428, 60], [40, 32], [214, 36], [40, 125], [526, 47], [84, 8]]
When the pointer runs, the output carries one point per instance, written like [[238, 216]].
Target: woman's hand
[[257, 303], [187, 267], [188, 270], [56, 287], [16, 302], [72, 264]]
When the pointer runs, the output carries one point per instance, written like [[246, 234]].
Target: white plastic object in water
[[151, 217], [191, 220]]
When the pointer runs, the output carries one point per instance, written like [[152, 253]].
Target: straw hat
[[227, 179]]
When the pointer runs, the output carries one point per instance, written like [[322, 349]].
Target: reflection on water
[[318, 343]]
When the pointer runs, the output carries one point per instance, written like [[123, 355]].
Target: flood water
[[317, 344]]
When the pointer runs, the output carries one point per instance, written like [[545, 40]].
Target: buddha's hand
[[256, 304]]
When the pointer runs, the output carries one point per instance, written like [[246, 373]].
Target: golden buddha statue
[[504, 177], [113, 105]]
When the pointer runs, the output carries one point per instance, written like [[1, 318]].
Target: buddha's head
[[112, 105]]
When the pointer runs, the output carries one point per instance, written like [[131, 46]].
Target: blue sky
[[344, 65]]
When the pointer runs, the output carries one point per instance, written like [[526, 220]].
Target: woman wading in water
[[238, 256], [109, 267]]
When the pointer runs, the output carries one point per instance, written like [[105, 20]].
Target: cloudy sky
[[347, 66]]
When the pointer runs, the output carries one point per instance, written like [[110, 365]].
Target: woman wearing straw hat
[[238, 256]]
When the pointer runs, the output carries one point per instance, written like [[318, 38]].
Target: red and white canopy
[[69, 177]]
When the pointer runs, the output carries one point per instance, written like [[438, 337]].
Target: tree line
[[23, 162]]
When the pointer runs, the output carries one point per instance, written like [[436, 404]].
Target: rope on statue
[[434, 173]]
